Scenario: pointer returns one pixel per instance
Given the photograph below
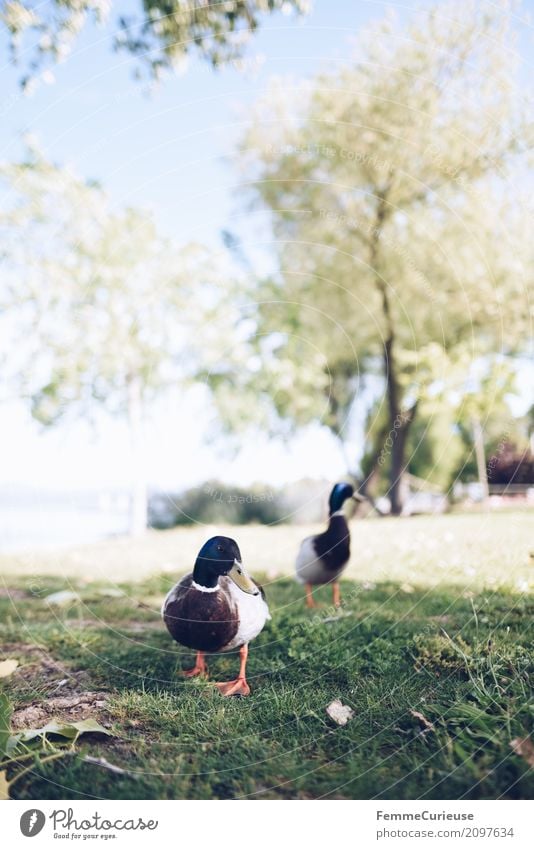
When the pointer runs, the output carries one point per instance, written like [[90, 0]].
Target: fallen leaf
[[7, 667], [524, 747], [339, 712], [67, 730], [422, 719], [86, 726], [63, 597], [5, 723]]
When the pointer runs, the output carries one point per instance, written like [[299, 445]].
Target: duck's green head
[[338, 496], [221, 556]]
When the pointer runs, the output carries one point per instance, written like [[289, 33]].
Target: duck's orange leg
[[239, 687], [336, 595], [199, 668], [310, 601]]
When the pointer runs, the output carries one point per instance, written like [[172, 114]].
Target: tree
[[399, 242], [166, 34], [98, 309], [483, 416]]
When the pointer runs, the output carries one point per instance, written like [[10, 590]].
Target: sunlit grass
[[482, 549], [436, 623]]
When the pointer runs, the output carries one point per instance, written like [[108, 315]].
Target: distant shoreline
[[44, 525]]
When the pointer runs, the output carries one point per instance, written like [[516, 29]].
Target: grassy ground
[[432, 651]]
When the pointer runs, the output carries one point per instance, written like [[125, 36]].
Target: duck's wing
[[259, 586], [177, 592], [252, 613], [263, 596], [307, 564], [333, 546]]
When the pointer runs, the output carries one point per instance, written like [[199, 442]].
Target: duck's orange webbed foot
[[199, 669], [239, 687]]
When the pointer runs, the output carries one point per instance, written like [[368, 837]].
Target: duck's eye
[[219, 548]]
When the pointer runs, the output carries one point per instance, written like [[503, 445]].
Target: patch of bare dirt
[[43, 679], [55, 690], [71, 708], [53, 678]]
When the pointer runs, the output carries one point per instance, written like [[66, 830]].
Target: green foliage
[[162, 34], [5, 725], [484, 391], [215, 502], [438, 652], [98, 308], [100, 299], [218, 32], [435, 449], [391, 219]]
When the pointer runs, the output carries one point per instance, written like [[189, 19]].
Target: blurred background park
[[246, 253]]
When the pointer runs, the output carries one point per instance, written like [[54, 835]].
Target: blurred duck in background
[[322, 558]]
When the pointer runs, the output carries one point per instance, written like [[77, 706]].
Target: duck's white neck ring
[[204, 589], [337, 513]]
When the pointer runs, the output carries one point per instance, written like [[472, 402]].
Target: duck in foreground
[[217, 608], [322, 558]]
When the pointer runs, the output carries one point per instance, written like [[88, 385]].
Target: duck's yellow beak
[[242, 580]]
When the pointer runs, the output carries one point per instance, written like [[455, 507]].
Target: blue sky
[[167, 151]]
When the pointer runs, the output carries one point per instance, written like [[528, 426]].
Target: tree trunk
[[478, 439], [398, 463], [367, 484], [139, 492], [399, 420]]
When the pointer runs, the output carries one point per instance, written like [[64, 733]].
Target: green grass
[[437, 620]]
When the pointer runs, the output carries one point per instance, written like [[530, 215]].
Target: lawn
[[432, 651]]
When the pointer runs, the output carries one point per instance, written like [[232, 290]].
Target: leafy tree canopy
[[162, 35], [94, 295], [402, 249]]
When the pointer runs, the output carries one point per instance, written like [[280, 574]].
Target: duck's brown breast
[[204, 621]]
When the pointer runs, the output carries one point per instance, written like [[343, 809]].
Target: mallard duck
[[217, 608], [322, 558]]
